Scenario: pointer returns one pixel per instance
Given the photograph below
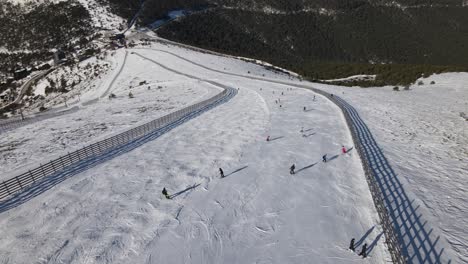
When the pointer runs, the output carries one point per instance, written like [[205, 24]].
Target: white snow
[[360, 77], [425, 138], [101, 16], [40, 87], [259, 213], [23, 147]]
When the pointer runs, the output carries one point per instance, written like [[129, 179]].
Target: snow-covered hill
[[259, 213], [424, 134]]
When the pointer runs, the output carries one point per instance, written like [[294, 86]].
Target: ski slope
[[425, 139], [259, 213], [29, 145]]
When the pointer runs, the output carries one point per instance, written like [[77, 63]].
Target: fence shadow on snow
[[28, 185], [409, 238]]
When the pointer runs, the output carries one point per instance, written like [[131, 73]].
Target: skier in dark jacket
[[164, 192], [291, 170], [324, 158], [221, 172]]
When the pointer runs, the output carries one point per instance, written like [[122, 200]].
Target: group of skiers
[[363, 252], [293, 166], [324, 158]]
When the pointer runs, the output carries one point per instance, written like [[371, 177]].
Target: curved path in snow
[[16, 123], [258, 213], [42, 185], [417, 239]]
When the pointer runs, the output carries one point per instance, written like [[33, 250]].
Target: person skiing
[[324, 158], [351, 245], [304, 108], [268, 138], [363, 252], [164, 192], [291, 170], [221, 172], [314, 97], [343, 149]]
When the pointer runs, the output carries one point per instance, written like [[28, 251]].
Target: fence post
[[42, 170], [61, 162], [31, 175], [53, 167], [17, 179], [6, 187]]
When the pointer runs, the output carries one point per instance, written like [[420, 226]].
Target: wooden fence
[[392, 241], [97, 149]]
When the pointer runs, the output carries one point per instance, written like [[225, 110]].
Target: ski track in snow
[[115, 213], [21, 148], [420, 146], [425, 140]]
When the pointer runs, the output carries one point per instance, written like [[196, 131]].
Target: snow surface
[[425, 139], [23, 147], [360, 77], [101, 16], [114, 212]]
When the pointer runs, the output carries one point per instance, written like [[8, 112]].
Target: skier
[[268, 138], [305, 108], [302, 129], [291, 170], [164, 192], [314, 97], [282, 93], [324, 158], [351, 245], [364, 251], [343, 149], [221, 172]]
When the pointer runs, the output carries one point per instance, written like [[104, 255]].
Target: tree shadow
[[306, 167], [235, 171], [184, 191]]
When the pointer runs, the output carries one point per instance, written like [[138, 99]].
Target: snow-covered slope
[[259, 213], [167, 92], [425, 137], [101, 15]]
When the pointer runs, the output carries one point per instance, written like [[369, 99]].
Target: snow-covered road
[[114, 213]]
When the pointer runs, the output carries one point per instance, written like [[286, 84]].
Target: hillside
[[363, 33]]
